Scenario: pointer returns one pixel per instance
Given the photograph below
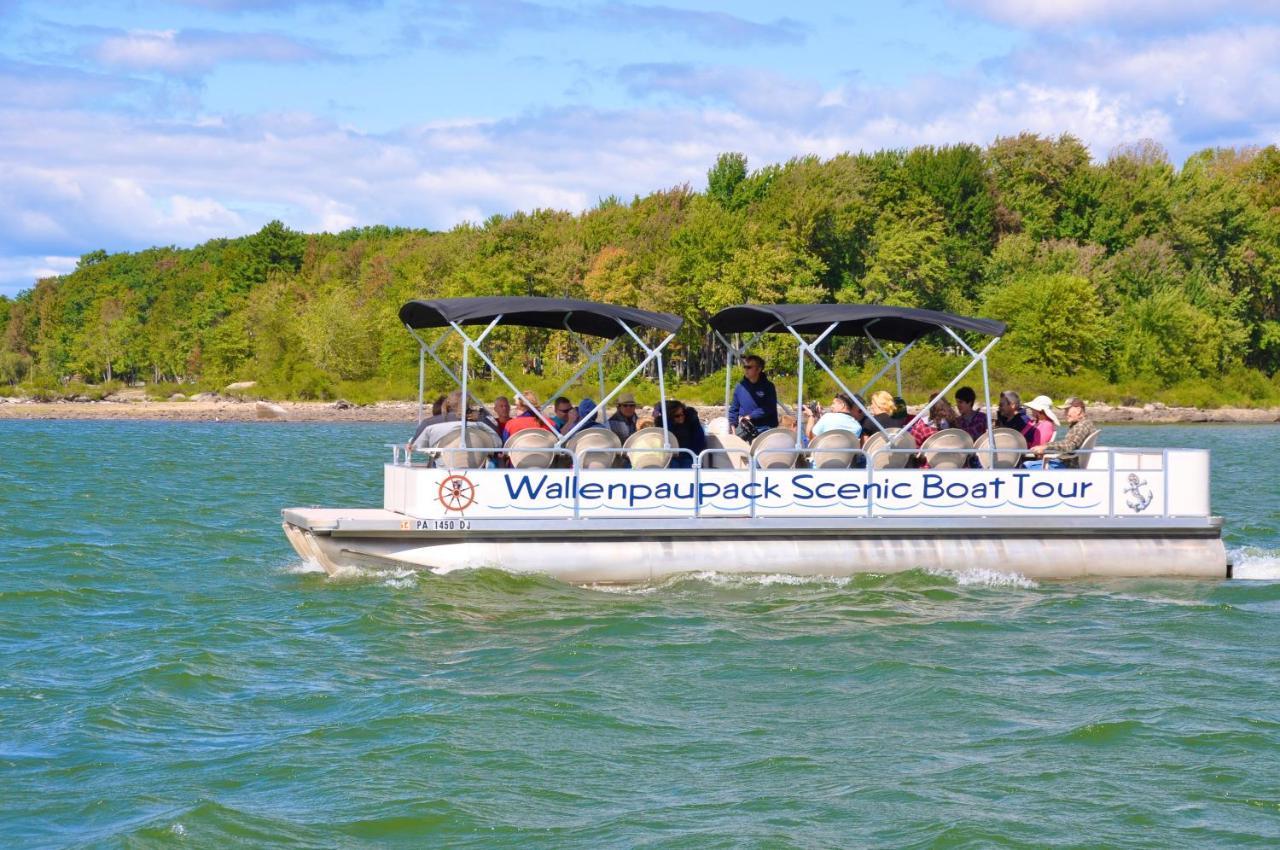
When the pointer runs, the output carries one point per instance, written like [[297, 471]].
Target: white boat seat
[[1010, 447], [820, 452], [478, 437], [1087, 446], [644, 448], [890, 437], [530, 449], [775, 449], [946, 449], [586, 445]]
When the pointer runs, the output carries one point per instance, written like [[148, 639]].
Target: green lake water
[[174, 677]]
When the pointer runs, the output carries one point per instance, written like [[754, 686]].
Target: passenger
[[754, 406], [587, 411], [1045, 425], [882, 407], [560, 415], [623, 421], [971, 421], [840, 417], [940, 417], [431, 431], [1011, 414], [525, 417], [1080, 427], [501, 412], [437, 406], [684, 425]]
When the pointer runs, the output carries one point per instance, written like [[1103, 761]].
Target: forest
[[1129, 279]]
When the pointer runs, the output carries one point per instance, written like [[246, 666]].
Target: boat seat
[[531, 449], [895, 437], [736, 456], [478, 437], [946, 449], [820, 451], [1010, 447], [644, 448], [718, 425], [1087, 446], [586, 445], [775, 449]]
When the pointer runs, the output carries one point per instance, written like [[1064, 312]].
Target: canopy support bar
[[650, 355], [978, 357], [534, 409]]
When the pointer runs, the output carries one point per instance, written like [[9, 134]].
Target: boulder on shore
[[268, 410], [240, 385]]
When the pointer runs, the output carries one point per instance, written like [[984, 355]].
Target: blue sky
[[130, 124]]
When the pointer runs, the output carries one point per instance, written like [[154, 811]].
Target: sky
[[150, 122]]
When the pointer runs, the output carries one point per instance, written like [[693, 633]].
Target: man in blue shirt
[[754, 399]]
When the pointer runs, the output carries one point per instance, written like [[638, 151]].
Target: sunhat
[[1044, 404]]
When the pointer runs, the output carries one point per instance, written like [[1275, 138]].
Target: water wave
[[985, 577], [1255, 564]]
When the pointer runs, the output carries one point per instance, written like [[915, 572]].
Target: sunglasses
[[627, 404], [563, 410]]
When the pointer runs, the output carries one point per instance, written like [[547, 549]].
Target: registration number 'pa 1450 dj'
[[438, 525]]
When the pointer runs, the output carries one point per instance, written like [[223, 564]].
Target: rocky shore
[[211, 407]]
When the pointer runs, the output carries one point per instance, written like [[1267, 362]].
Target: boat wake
[[1255, 564], [984, 577]]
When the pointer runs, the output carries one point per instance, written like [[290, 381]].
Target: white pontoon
[[583, 508]]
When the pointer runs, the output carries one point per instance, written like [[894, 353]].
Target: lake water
[[174, 677]]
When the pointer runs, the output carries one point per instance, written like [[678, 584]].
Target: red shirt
[[520, 423]]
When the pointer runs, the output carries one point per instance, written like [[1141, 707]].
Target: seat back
[[644, 448], [780, 444], [821, 455], [1010, 447], [530, 449], [478, 437], [586, 445], [945, 449], [890, 437], [1087, 446]]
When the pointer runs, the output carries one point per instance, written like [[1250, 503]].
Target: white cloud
[[19, 273], [194, 52], [1139, 14]]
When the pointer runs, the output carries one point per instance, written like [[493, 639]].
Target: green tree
[[1056, 322]]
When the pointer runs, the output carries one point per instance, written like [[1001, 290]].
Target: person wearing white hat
[[1046, 421], [1080, 429]]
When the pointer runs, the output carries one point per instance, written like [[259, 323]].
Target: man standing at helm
[[754, 406]]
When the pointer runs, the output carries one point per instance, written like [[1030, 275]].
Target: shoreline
[[235, 410]]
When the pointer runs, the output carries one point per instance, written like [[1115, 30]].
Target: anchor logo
[[457, 493], [1139, 494]]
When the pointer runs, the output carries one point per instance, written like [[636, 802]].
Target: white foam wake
[[985, 577], [1254, 564]]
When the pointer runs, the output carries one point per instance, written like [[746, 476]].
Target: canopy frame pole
[[977, 357], [466, 372], [894, 362], [809, 348], [650, 354], [503, 375], [986, 388], [817, 358], [597, 358], [730, 351]]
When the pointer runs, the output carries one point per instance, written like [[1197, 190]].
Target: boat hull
[[642, 551]]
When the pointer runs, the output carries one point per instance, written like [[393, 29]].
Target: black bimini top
[[584, 317], [899, 324]]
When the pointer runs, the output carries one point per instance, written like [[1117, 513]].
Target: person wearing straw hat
[[623, 420], [1080, 427], [1045, 426]]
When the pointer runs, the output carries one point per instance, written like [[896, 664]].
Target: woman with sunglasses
[[684, 425]]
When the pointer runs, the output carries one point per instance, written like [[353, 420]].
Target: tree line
[[1114, 274]]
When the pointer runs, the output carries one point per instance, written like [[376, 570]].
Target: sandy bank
[[234, 410]]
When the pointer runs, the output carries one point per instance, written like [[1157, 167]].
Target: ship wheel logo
[[457, 493]]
